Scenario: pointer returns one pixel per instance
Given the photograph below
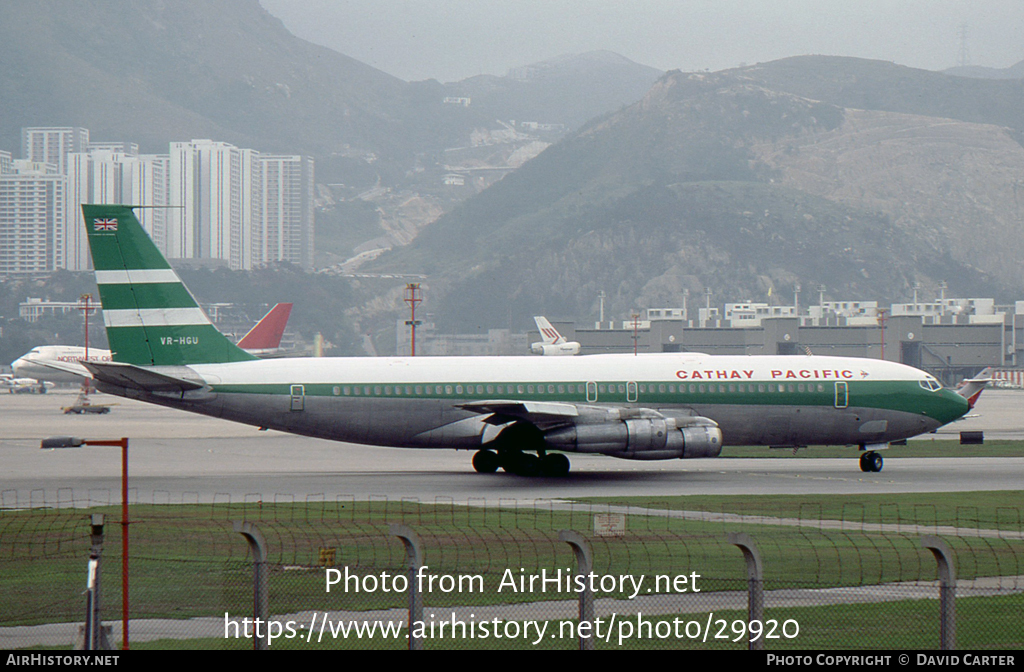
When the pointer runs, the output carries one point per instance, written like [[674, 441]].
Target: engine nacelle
[[572, 348], [639, 439]]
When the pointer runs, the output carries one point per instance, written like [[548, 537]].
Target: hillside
[[568, 90], [732, 181], [151, 71]]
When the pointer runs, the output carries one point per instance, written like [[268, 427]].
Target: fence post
[[414, 560], [260, 589], [947, 589], [755, 586], [584, 566], [95, 635]]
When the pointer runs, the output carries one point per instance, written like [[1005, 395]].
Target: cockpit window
[[930, 384]]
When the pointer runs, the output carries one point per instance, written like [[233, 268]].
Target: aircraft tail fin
[[267, 333], [972, 388], [151, 317], [548, 333]]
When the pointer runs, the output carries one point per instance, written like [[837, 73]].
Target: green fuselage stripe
[[905, 396]]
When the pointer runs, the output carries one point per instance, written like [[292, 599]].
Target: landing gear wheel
[[871, 462], [554, 464], [528, 465], [876, 462], [486, 461], [521, 464]]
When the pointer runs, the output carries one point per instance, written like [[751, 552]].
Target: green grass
[[186, 560]]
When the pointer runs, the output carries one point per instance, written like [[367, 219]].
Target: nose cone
[[19, 365], [953, 406]]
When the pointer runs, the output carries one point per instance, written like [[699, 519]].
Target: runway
[[180, 457]]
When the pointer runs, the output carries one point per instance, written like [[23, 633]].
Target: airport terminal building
[[950, 338]]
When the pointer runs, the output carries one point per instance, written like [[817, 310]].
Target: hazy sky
[[449, 40]]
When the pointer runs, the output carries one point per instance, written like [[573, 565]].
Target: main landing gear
[[871, 461], [521, 464]]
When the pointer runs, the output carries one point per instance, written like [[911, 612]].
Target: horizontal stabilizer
[[139, 378]]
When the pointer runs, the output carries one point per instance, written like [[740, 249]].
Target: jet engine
[[640, 438], [571, 348]]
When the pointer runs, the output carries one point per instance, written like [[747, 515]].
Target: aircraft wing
[[140, 378], [537, 412]]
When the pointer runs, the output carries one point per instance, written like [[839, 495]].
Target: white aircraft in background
[[553, 343], [521, 414], [18, 385], [63, 363]]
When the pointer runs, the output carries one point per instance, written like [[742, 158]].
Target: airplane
[[63, 363], [552, 343], [23, 385], [520, 414]]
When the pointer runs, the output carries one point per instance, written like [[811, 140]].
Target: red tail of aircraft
[[266, 335]]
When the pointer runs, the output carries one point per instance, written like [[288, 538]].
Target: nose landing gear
[[871, 462]]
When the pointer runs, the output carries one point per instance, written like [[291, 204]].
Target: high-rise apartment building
[[31, 219], [5, 162], [105, 175], [205, 199], [287, 209], [214, 199], [53, 144]]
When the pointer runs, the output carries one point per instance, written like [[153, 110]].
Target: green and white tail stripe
[[151, 317]]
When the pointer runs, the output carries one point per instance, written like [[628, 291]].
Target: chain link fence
[[502, 575]]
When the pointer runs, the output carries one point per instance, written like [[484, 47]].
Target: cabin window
[[561, 389], [438, 389], [661, 389], [800, 387], [490, 389], [376, 390], [346, 391], [551, 389], [520, 389], [693, 388], [387, 390], [702, 389], [600, 389], [458, 389], [447, 389]]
